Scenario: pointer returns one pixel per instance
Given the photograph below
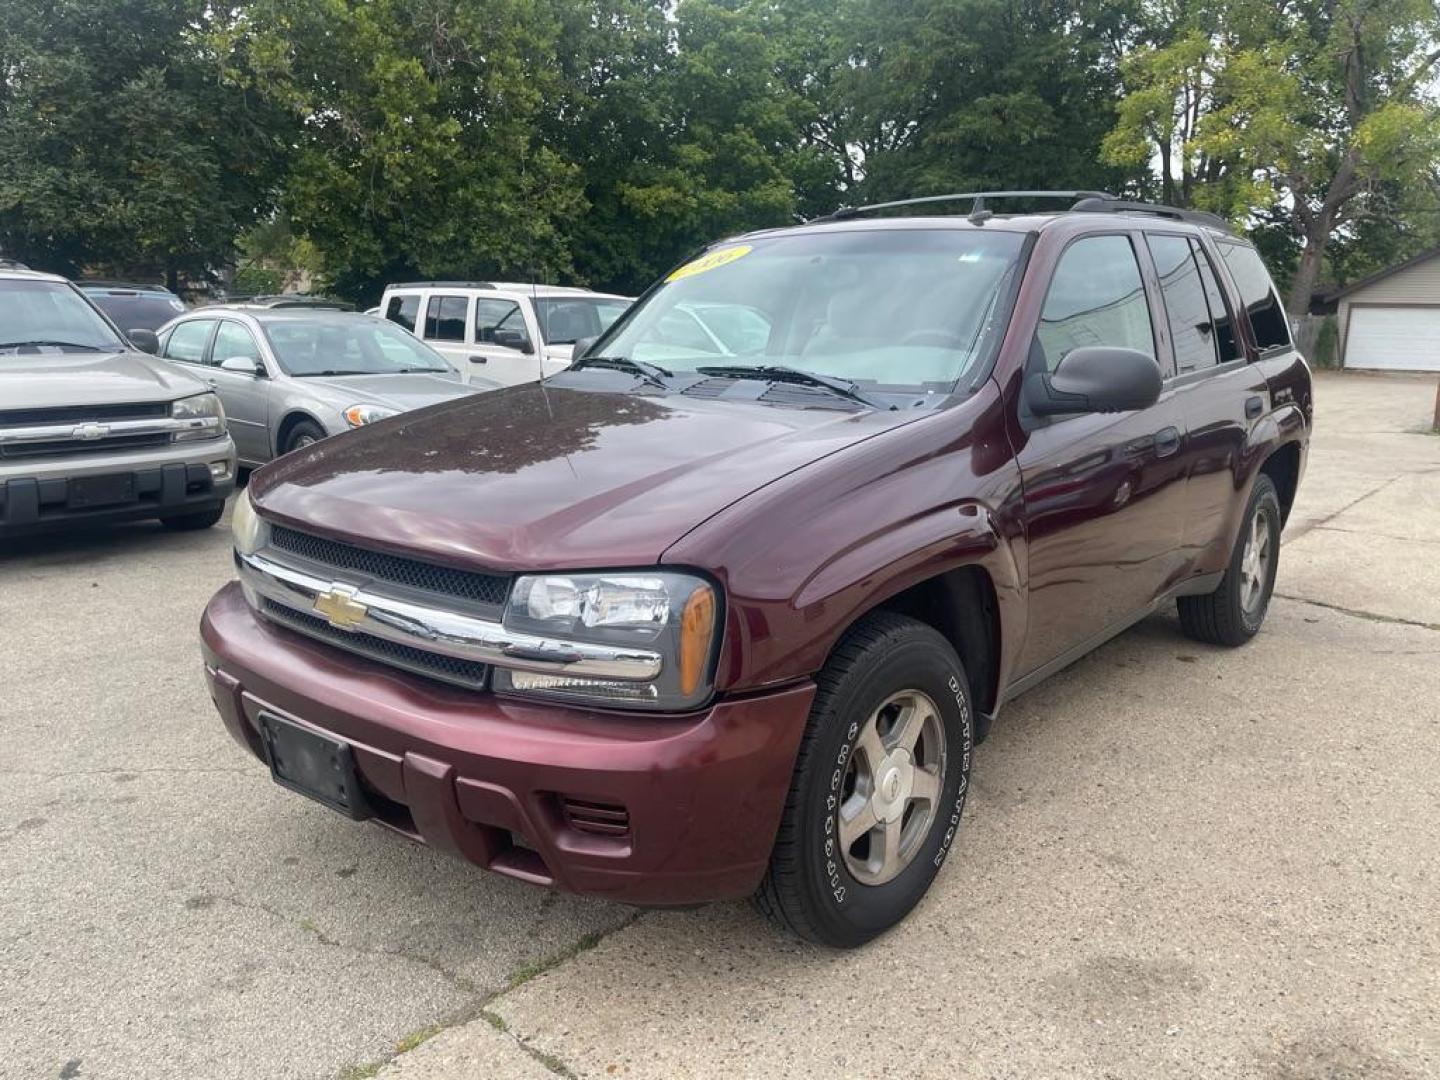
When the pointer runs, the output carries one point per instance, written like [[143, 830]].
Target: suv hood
[[539, 477], [401, 392], [45, 380]]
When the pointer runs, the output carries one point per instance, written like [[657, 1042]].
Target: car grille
[[466, 673], [77, 415], [480, 588]]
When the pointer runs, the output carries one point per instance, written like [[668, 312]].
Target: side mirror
[[244, 365], [513, 339], [1096, 378], [582, 346], [144, 340]]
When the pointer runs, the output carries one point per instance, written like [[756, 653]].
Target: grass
[[525, 972]]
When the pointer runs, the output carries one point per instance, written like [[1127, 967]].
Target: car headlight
[[360, 415], [246, 526], [203, 414], [675, 615]]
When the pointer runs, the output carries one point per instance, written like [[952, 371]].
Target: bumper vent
[[466, 673], [601, 819], [486, 589]]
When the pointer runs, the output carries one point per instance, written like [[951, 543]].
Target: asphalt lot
[[1177, 860]]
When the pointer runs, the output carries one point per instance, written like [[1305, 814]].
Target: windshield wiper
[[54, 344], [328, 372], [780, 373], [651, 373]]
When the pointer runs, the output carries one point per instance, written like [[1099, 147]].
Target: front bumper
[[37, 494], [496, 781]]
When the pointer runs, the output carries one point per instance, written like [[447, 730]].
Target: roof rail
[[978, 210], [442, 285], [1105, 204]]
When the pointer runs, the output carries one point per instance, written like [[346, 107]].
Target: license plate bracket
[[87, 491], [313, 765]]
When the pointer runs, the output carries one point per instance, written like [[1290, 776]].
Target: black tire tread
[[779, 896], [1214, 617]]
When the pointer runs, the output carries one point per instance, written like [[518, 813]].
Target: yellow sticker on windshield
[[710, 261]]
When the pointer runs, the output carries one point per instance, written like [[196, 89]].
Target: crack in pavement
[[1358, 613], [1375, 535], [1303, 530]]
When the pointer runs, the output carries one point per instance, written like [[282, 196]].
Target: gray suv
[[90, 429]]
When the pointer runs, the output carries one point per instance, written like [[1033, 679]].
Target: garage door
[[1394, 338]]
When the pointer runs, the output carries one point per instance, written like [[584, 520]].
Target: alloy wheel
[[1255, 562], [892, 787]]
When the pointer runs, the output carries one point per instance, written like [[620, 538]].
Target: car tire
[[1235, 611], [850, 771], [303, 434], [200, 519]]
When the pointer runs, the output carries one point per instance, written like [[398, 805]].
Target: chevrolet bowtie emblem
[[340, 608], [90, 432]]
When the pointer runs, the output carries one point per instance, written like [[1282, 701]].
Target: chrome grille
[[488, 589], [466, 673], [55, 431]]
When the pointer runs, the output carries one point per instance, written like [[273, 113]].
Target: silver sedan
[[290, 377]]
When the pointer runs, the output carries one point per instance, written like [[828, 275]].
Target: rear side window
[[1095, 298], [1191, 327], [1219, 311], [187, 341], [445, 318], [1262, 303], [403, 309]]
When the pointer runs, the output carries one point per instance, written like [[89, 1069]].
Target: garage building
[[1390, 321]]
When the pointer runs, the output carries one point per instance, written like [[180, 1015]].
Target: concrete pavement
[[1176, 860]]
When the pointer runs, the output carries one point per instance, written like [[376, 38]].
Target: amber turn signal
[[697, 624]]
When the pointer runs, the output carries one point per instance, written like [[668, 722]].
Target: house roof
[[1381, 275]]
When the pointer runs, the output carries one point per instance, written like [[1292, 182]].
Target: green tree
[[1307, 112], [120, 147], [420, 148], [947, 95]]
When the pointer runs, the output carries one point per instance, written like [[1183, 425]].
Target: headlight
[[204, 416], [246, 526], [676, 615], [360, 415]]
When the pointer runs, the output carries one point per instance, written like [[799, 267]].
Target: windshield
[[50, 313], [565, 321], [357, 345], [901, 308], [137, 310]]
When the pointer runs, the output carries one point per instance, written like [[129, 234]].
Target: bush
[[252, 280]]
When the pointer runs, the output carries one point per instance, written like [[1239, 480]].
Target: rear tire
[[1235, 611], [879, 785], [200, 519]]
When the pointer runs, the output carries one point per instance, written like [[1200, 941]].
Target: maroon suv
[[722, 609]]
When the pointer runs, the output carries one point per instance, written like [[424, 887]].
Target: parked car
[[491, 328], [290, 376], [681, 624], [93, 431], [132, 306]]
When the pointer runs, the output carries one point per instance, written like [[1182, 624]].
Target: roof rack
[[1107, 204], [978, 210], [128, 286], [443, 285]]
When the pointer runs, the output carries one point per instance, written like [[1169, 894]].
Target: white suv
[[491, 328]]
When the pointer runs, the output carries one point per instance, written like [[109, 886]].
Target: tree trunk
[[1303, 283]]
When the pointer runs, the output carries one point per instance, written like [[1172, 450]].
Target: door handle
[[1167, 441], [1254, 406], [478, 359]]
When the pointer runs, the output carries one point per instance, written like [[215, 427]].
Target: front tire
[[1235, 611], [303, 434], [879, 785]]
